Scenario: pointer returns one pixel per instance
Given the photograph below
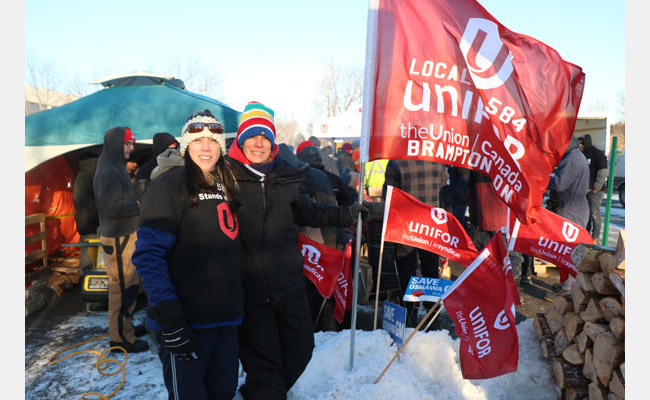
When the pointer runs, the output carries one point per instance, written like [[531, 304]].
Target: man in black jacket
[[119, 208], [85, 209], [598, 171], [276, 338]]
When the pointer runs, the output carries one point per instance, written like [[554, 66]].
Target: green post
[[610, 188]]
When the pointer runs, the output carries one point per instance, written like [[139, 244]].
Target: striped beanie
[[256, 119]]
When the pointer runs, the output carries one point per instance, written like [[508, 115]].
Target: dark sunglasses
[[214, 127]]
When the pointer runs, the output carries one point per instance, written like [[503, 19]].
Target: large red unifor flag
[[321, 264], [481, 304], [343, 290], [551, 238], [454, 86], [410, 222]]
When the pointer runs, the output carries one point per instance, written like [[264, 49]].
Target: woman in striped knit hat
[[276, 338]]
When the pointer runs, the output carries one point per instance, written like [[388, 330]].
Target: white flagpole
[[366, 121], [389, 197]]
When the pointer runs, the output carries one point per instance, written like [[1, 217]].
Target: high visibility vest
[[375, 174]]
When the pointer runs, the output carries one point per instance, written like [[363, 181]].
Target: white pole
[[366, 121]]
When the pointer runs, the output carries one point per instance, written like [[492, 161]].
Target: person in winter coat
[[328, 161], [598, 171], [187, 254], [569, 185], [276, 338], [161, 142], [85, 209], [118, 209]]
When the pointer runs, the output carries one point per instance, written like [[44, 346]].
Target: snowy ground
[[427, 369]]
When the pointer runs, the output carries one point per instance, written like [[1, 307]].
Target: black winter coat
[[269, 214], [83, 196]]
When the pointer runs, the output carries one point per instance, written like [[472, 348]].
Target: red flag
[[471, 93], [551, 238], [480, 303], [321, 264], [343, 289], [410, 222]]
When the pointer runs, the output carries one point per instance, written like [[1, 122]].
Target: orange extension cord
[[101, 364]]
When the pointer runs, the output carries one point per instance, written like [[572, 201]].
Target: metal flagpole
[[366, 121]]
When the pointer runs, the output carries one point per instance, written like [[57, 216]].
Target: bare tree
[[46, 82], [196, 76], [339, 88], [288, 131]]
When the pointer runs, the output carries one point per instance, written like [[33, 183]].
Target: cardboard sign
[[394, 321], [426, 289]]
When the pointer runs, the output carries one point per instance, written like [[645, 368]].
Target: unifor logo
[[323, 128], [489, 61], [227, 221], [502, 323], [310, 254], [439, 216], [570, 231]]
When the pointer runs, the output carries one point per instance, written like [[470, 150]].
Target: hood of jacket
[[168, 159], [113, 149], [287, 155], [573, 145], [586, 141]]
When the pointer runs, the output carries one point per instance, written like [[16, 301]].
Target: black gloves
[[176, 336], [350, 214]]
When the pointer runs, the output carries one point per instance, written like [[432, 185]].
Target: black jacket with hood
[[115, 194], [83, 196], [598, 167], [269, 213]]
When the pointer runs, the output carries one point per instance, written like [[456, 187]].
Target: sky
[[277, 52]]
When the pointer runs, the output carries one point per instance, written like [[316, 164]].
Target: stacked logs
[[583, 332]]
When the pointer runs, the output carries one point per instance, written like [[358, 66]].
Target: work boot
[[140, 330], [525, 280], [135, 347]]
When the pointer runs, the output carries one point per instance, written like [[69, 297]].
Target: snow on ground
[[428, 368]]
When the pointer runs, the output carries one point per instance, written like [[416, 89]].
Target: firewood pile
[[583, 333]]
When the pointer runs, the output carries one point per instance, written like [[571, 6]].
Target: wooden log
[[547, 349], [617, 326], [576, 393], [617, 384], [585, 256], [583, 341], [603, 284], [610, 307], [607, 262], [584, 279], [617, 276], [561, 342], [579, 297], [572, 325], [593, 330], [619, 253], [588, 367], [541, 327], [572, 355], [563, 303], [608, 354], [622, 368], [568, 375], [554, 319], [597, 391], [592, 313]]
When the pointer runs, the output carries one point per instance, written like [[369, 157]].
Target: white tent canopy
[[342, 126]]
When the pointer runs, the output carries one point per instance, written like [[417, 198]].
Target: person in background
[[598, 171], [328, 161], [161, 142], [422, 180], [85, 209], [568, 189], [187, 254], [118, 209], [276, 338], [132, 168], [345, 161]]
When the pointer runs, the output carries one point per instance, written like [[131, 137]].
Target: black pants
[[276, 343], [213, 376], [407, 266]]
